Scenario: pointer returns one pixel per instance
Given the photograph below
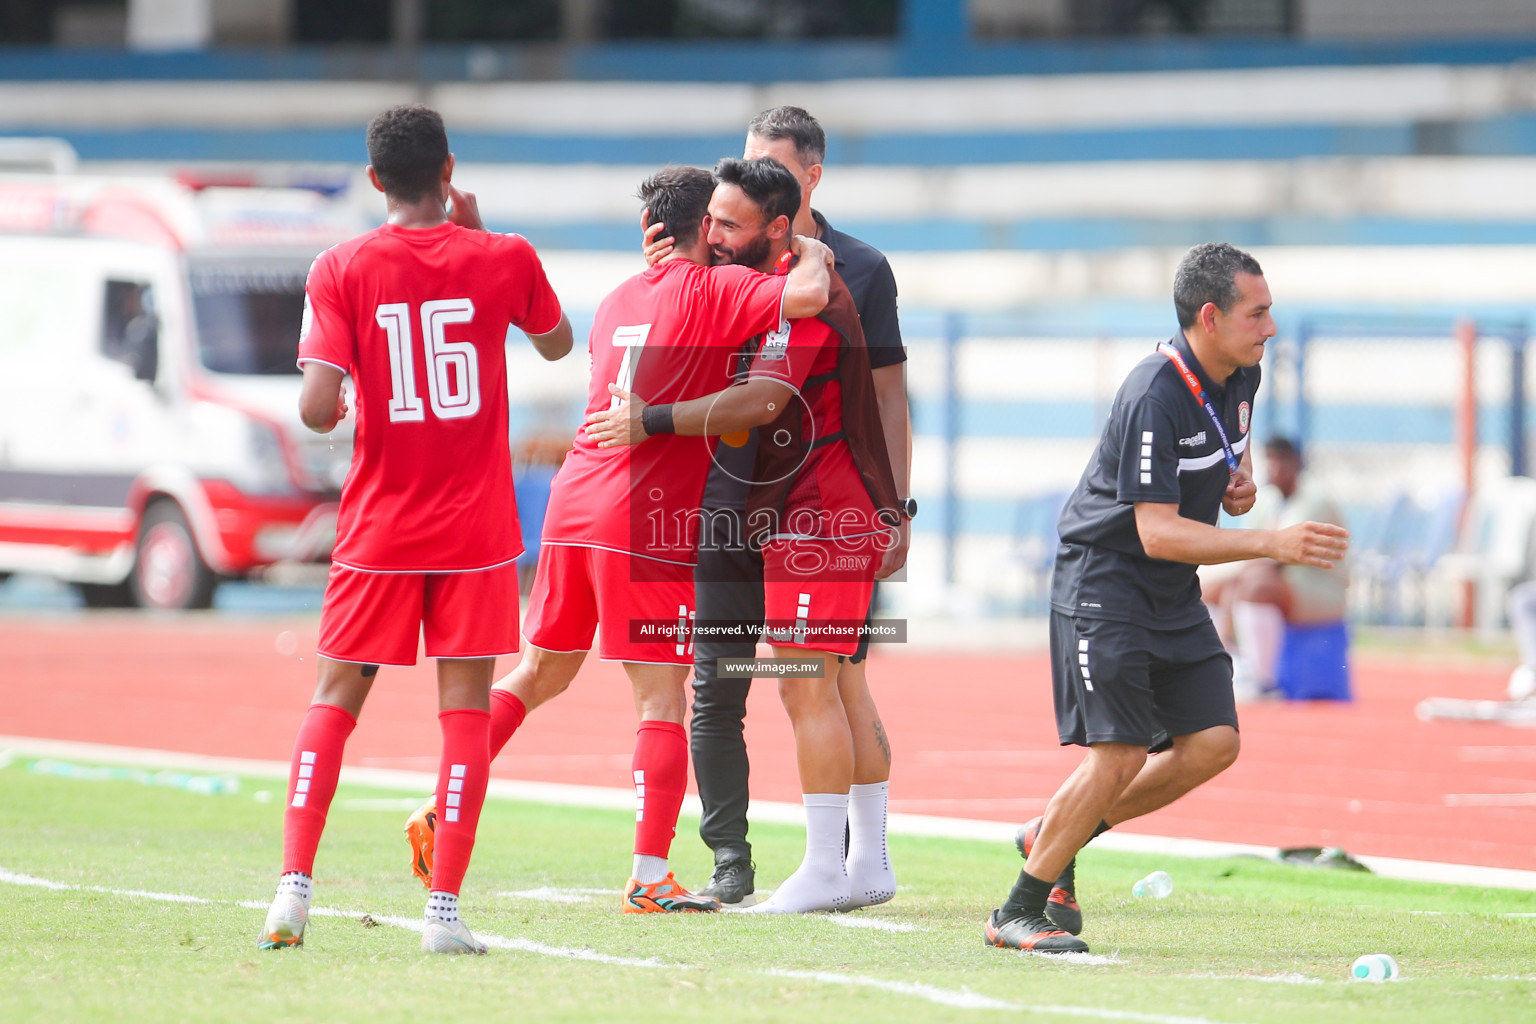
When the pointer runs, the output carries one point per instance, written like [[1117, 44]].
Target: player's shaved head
[[407, 147], [679, 198], [796, 125], [766, 182], [1208, 273]]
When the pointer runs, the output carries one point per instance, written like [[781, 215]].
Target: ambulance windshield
[[248, 315]]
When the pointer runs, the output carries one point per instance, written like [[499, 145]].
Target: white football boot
[[442, 936], [286, 919]]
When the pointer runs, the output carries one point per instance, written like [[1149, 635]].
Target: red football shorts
[[376, 617], [645, 606], [816, 592]]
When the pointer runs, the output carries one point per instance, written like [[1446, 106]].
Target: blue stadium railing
[[1506, 135]]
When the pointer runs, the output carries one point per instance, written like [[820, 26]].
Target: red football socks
[[661, 778], [461, 780], [507, 714], [312, 783]]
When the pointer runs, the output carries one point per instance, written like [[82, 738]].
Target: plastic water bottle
[[1158, 885], [1374, 967]]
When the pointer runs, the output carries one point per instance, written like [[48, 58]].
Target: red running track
[[973, 735]]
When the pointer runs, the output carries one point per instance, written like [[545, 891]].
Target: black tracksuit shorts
[[1118, 682]]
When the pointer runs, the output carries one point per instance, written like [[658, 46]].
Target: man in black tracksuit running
[[1135, 660]]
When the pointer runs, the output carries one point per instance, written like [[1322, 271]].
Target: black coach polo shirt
[[867, 273], [1159, 446]]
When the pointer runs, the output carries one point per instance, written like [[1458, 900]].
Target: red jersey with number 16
[[671, 333], [419, 319]]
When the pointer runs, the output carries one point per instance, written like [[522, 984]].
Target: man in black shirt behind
[[1135, 661], [729, 577]]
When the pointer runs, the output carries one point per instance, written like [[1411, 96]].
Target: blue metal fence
[[1393, 455]]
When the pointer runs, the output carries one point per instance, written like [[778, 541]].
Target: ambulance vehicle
[[150, 445]]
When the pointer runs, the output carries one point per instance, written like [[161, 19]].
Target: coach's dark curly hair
[[1206, 274], [679, 198], [766, 182], [407, 146]]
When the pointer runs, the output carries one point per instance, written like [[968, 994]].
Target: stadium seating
[[1034, 548], [1495, 550]]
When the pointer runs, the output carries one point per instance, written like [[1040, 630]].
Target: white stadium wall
[[1264, 96]]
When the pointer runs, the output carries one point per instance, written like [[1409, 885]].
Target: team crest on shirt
[[1242, 418], [776, 343]]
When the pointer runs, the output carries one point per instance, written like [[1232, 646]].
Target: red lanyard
[[1193, 383]]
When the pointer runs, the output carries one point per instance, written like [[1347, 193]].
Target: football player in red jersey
[[620, 531], [729, 583], [416, 312], [822, 505]]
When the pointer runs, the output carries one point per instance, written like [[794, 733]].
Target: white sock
[[296, 883], [1260, 631], [649, 870], [870, 878], [821, 881], [443, 904]]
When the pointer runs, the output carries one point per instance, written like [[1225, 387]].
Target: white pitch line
[[875, 923], [968, 1000], [550, 894], [42, 883], [962, 998], [523, 945], [564, 795]]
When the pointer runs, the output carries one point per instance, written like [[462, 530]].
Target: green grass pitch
[[1239, 940]]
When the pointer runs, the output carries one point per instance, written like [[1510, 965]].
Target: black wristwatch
[[907, 507]]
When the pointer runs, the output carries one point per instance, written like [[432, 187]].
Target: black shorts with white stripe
[[1117, 682]]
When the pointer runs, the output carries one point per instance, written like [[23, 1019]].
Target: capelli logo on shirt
[[1192, 442], [776, 343]]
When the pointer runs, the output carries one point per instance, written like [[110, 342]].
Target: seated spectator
[[1256, 603]]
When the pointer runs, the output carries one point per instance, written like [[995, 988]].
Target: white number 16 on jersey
[[453, 367]]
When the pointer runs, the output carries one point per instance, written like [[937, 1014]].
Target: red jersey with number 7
[[668, 334], [419, 319]]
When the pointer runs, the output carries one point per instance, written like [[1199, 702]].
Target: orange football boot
[[421, 833], [665, 897]]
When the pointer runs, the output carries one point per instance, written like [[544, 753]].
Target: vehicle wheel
[[168, 570], [105, 595]]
